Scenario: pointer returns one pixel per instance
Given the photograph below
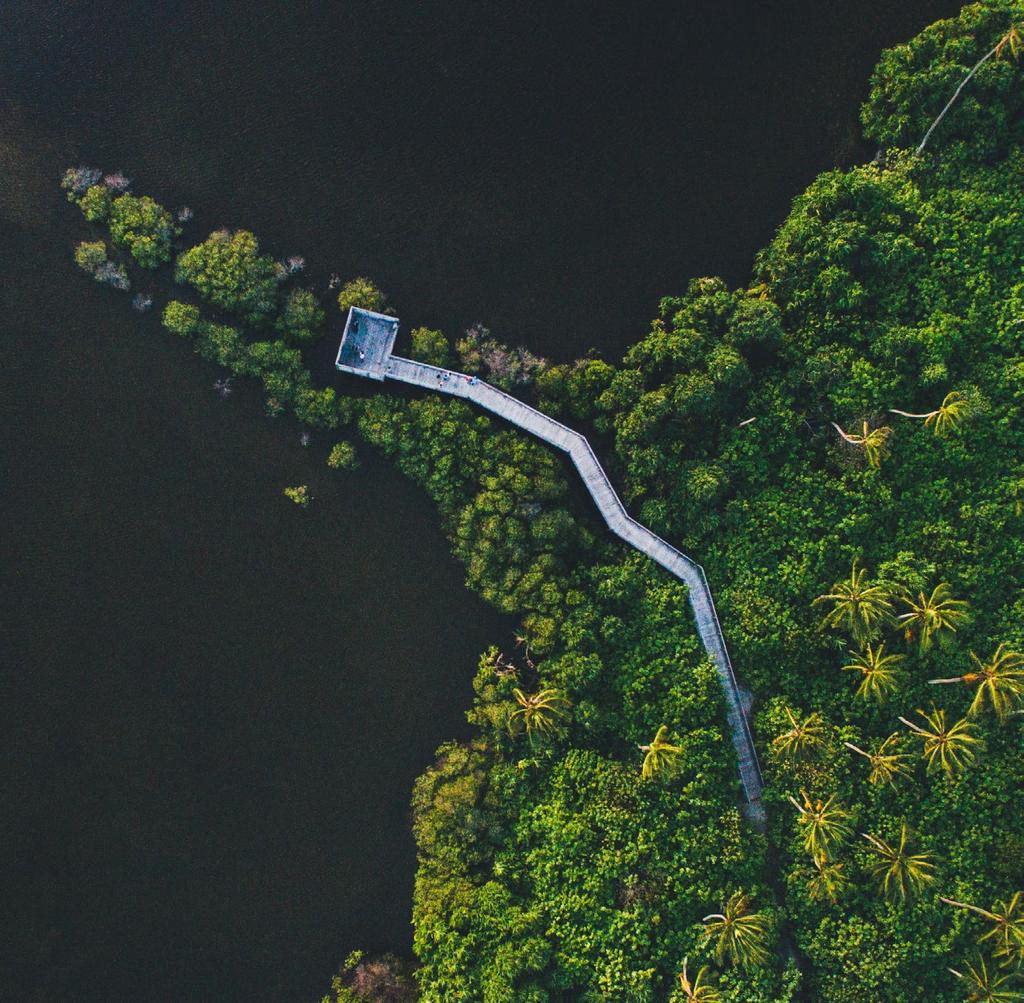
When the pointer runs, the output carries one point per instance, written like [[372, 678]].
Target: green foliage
[[227, 270], [301, 317], [361, 292], [430, 346], [319, 408], [299, 494], [144, 227], [551, 871], [90, 255], [343, 457], [181, 318], [913, 82], [95, 204]]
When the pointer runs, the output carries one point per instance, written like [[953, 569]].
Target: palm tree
[[828, 881], [741, 935], [698, 991], [999, 681], [860, 608], [872, 440], [928, 617], [539, 713], [1009, 42], [948, 747], [803, 740], [825, 824], [902, 873], [660, 756], [886, 763], [878, 672], [949, 415], [1006, 926], [986, 987]]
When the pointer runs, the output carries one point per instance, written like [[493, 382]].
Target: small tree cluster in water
[[91, 257], [585, 843], [506, 367]]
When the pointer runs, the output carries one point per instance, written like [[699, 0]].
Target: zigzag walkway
[[619, 522]]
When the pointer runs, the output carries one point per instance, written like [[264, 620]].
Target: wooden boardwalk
[[622, 525]]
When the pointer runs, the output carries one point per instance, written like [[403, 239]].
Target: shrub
[[228, 270], [361, 293], [299, 494], [112, 274], [90, 255], [78, 180], [180, 318], [343, 457], [95, 204], [302, 317], [430, 346], [143, 226]]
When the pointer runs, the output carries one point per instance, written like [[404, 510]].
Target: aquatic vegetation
[[360, 292], [551, 869]]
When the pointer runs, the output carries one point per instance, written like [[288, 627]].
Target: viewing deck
[[378, 363]]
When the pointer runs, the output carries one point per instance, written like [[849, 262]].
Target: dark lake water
[[213, 704]]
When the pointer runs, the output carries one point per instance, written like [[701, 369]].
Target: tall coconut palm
[[1005, 926], [661, 757], [858, 607], [886, 762], [827, 881], [902, 873], [928, 617], [804, 739], [949, 747], [949, 415], [1010, 44], [699, 990], [741, 936], [877, 672], [539, 713], [872, 440], [999, 682], [984, 986], [825, 824]]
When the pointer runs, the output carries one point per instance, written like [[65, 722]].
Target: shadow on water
[[213, 703]]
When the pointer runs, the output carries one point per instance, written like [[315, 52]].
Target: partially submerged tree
[[362, 293]]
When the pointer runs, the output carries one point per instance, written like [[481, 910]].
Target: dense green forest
[[840, 444]]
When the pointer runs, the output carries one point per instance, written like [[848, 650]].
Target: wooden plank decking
[[622, 525]]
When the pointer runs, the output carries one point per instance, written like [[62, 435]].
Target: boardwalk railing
[[622, 525]]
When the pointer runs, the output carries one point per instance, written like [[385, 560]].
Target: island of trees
[[840, 443]]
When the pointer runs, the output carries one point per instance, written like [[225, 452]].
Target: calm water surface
[[214, 704]]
